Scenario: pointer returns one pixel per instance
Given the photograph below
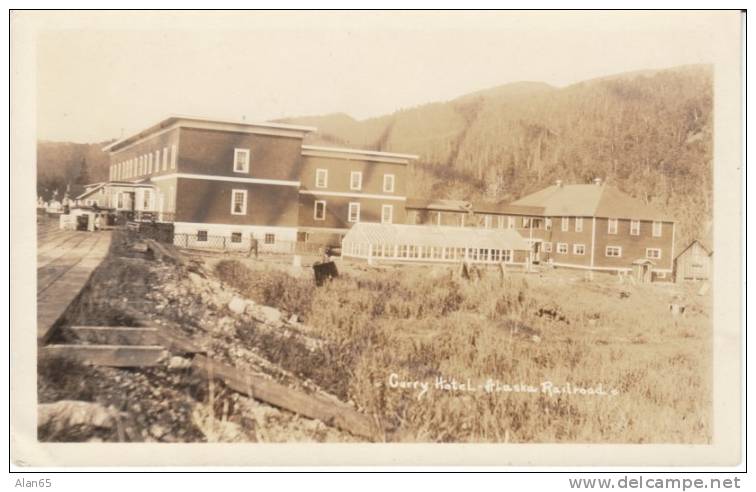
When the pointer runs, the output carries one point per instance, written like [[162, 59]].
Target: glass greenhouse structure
[[399, 242]]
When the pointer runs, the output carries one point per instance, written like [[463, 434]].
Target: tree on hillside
[[83, 177]]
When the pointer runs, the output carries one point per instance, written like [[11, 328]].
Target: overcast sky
[[103, 76]]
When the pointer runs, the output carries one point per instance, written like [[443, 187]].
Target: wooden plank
[[61, 290], [331, 412], [108, 355], [117, 335]]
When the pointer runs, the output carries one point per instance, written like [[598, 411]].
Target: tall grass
[[423, 323]]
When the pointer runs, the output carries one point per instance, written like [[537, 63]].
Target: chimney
[[597, 181], [559, 183]]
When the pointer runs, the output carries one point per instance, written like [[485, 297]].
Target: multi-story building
[[341, 187], [598, 227], [241, 180]]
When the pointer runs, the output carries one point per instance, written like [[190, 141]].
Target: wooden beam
[[314, 406], [117, 335], [108, 355]]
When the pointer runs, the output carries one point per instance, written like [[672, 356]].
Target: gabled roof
[[695, 241], [443, 236], [591, 200]]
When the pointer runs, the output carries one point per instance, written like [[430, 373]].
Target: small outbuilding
[[435, 244], [694, 262]]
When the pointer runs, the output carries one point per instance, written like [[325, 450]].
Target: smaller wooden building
[[694, 262]]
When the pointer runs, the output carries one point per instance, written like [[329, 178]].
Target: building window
[[506, 255], [320, 210], [578, 249], [612, 226], [165, 158], [562, 248], [387, 214], [202, 236], [614, 251], [236, 237], [149, 163], [241, 160], [355, 180], [487, 221], [388, 183], [500, 221], [565, 224], [146, 205], [548, 223], [270, 238], [635, 227], [578, 224], [354, 212], [173, 156], [547, 247], [511, 223], [238, 202], [321, 178], [657, 229], [653, 253]]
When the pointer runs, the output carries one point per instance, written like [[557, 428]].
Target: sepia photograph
[[379, 227]]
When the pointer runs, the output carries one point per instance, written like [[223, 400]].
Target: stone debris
[[65, 414], [176, 363]]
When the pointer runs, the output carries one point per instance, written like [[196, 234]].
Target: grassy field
[[509, 341]]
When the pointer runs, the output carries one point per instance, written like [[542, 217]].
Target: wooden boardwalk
[[65, 261]]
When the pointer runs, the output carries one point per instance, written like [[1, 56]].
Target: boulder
[[65, 414], [177, 363], [237, 305], [267, 315]]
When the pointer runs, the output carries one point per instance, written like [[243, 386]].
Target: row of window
[[610, 251], [355, 180], [353, 213], [145, 164], [411, 251]]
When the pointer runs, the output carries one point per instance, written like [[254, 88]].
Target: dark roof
[[439, 204], [591, 200], [506, 208]]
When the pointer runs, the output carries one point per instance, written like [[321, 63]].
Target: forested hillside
[[649, 133], [60, 164]]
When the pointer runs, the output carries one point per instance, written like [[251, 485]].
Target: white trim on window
[[611, 226], [635, 227], [656, 229], [354, 212], [578, 224], [358, 184], [547, 247], [578, 249], [234, 194], [321, 173], [384, 219], [653, 253], [499, 221], [563, 248], [244, 167], [510, 222], [388, 179], [565, 224], [613, 251], [315, 210]]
